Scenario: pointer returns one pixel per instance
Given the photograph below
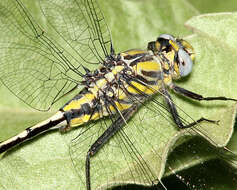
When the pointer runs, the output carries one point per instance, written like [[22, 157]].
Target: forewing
[[82, 26], [33, 66]]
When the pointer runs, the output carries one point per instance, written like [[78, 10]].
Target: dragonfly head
[[179, 52]]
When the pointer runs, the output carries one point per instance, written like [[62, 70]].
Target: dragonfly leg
[[176, 116], [195, 96], [103, 139]]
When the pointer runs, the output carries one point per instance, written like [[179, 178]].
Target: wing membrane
[[132, 155], [33, 66], [82, 26]]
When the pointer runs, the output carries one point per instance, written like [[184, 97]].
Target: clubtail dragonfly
[[40, 71]]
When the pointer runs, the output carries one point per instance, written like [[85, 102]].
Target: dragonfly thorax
[[135, 73]]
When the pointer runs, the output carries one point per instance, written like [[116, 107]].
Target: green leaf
[[44, 162], [214, 6]]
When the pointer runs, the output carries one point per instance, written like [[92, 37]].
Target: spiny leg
[[104, 138], [187, 93], [176, 116], [195, 96]]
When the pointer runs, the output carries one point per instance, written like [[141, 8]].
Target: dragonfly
[[40, 71]]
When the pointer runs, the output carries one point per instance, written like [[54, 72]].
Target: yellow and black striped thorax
[[129, 78]]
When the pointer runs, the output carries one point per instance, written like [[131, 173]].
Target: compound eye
[[185, 62]]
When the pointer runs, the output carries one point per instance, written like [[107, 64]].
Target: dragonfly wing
[[137, 153], [33, 66], [81, 25], [125, 158]]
